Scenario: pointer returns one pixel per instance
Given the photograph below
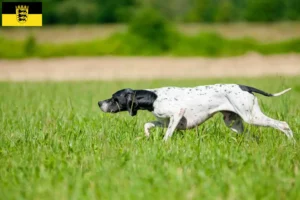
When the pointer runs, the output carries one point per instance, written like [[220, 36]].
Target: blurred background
[[195, 11], [176, 28]]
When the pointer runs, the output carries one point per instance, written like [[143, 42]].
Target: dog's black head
[[128, 100]]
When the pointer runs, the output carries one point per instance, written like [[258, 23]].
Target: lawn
[[206, 40], [263, 32], [56, 144], [126, 44]]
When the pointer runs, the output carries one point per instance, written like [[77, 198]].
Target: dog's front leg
[[150, 125], [174, 120]]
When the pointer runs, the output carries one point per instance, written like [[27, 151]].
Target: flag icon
[[22, 14]]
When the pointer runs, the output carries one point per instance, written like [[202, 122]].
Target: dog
[[184, 108]]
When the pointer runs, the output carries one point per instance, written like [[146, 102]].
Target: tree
[[264, 10], [225, 11]]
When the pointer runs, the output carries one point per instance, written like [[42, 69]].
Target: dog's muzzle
[[103, 106], [100, 103]]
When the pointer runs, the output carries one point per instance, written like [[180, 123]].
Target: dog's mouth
[[108, 107]]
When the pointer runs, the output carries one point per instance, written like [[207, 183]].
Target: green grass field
[[263, 32], [207, 40], [56, 144], [203, 44]]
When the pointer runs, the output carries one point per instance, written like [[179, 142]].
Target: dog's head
[[122, 100]]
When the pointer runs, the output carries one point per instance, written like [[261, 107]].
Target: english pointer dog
[[185, 108]]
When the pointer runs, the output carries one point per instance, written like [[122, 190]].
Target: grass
[[262, 32], [56, 144], [126, 44]]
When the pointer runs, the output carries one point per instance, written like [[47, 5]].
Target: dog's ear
[[131, 103]]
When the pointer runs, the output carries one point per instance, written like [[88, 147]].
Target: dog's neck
[[145, 99]]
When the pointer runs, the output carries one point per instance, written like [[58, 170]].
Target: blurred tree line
[[121, 11]]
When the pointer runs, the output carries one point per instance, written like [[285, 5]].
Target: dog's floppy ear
[[131, 102]]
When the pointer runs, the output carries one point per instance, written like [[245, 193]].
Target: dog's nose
[[100, 103]]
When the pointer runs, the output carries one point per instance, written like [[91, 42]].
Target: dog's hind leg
[[233, 121], [256, 117], [174, 121]]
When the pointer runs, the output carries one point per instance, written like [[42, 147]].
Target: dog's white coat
[[185, 108]]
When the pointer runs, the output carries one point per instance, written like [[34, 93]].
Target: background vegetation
[[151, 28], [148, 33], [204, 44], [120, 11]]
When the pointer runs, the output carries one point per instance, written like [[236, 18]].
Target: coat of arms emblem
[[22, 13]]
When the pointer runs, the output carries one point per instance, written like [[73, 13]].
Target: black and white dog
[[185, 108]]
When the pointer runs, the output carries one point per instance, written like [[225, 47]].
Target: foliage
[[121, 11], [56, 144], [265, 10], [140, 43], [30, 45], [150, 26]]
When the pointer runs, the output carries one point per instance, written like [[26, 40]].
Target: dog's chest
[[191, 118]]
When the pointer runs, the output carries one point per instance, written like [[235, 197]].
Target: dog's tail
[[252, 89], [280, 93]]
